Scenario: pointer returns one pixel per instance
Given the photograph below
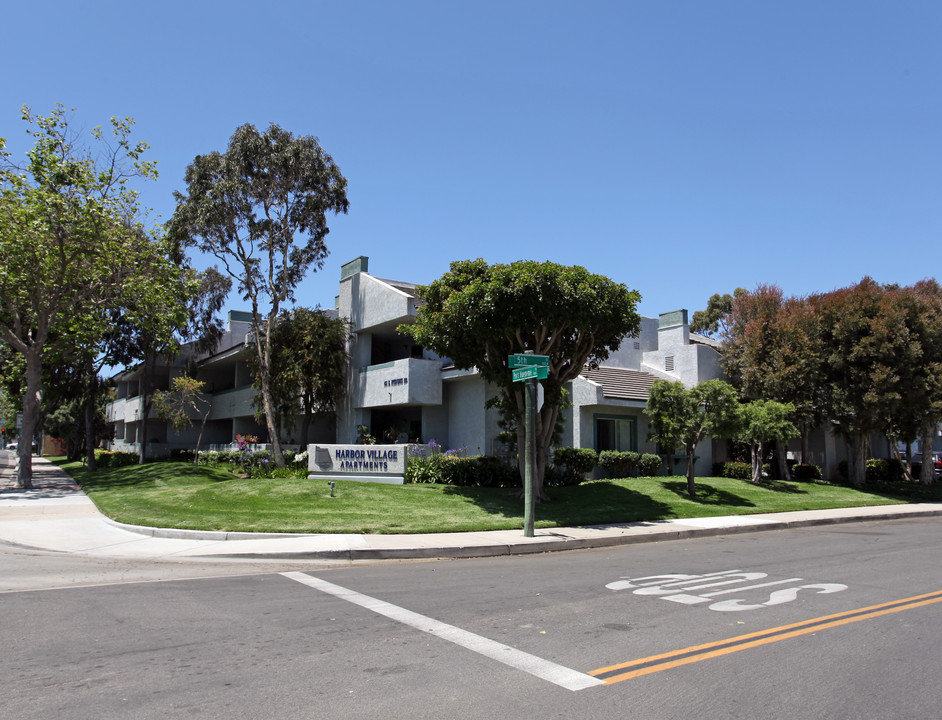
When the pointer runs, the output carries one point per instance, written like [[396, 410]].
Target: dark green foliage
[[806, 472], [714, 320], [306, 368], [649, 465], [884, 470], [231, 457], [479, 314], [618, 464], [681, 416], [181, 455], [476, 471], [738, 470], [114, 459], [577, 460]]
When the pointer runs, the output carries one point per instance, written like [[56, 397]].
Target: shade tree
[[682, 417], [478, 314], [72, 240]]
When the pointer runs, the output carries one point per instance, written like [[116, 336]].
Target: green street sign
[[533, 372], [519, 360]]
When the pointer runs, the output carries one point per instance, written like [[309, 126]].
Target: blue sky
[[680, 147]]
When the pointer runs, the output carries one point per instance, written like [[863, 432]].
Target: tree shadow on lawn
[[781, 486], [147, 475], [595, 503], [707, 494]]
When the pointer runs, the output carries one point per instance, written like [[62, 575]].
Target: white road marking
[[676, 587], [544, 669]]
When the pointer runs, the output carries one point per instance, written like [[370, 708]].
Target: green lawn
[[181, 495]]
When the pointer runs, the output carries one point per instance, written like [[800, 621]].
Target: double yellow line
[[645, 666]]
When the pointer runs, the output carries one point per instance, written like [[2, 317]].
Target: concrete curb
[[559, 544], [182, 534]]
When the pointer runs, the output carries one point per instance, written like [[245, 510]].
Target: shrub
[[571, 465], [649, 465], [114, 458], [262, 458], [877, 470], [737, 470], [581, 460], [619, 464], [806, 472], [290, 471], [208, 457], [421, 469], [559, 476], [494, 472], [475, 471], [181, 455], [884, 470], [232, 457], [459, 471]]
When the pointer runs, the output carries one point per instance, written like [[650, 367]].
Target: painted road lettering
[[680, 587]]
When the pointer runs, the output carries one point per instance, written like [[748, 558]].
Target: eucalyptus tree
[[71, 242], [478, 314], [714, 319], [261, 209]]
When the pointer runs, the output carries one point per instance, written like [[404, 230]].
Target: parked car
[[937, 461], [14, 444]]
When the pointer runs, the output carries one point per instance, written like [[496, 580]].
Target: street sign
[[533, 372], [520, 360]]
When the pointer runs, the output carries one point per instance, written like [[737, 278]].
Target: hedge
[[649, 465], [617, 464]]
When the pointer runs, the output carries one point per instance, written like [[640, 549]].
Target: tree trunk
[[783, 472], [199, 438], [145, 406], [805, 443], [904, 462], [927, 476], [757, 453], [273, 438], [32, 401], [90, 398], [691, 486], [857, 459]]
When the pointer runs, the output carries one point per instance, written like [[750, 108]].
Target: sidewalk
[[58, 516]]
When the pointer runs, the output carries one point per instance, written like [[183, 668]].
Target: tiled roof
[[621, 384]]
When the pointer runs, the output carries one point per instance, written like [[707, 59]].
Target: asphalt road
[[838, 621]]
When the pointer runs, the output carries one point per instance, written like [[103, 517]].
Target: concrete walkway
[[57, 516]]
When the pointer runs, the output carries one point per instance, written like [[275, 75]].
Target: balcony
[[411, 381]]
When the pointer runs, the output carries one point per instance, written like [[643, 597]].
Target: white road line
[[544, 669]]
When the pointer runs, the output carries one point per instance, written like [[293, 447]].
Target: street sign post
[[528, 368]]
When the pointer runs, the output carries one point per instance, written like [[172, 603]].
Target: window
[[669, 363], [616, 433]]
